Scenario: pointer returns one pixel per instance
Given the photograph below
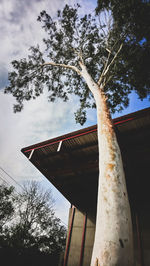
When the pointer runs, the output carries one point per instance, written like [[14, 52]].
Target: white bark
[[113, 245], [63, 66]]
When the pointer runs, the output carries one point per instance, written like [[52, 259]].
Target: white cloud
[[39, 120], [19, 26]]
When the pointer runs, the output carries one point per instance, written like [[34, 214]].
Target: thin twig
[[113, 59], [105, 66], [106, 81]]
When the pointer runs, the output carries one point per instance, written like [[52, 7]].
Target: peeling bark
[[113, 245]]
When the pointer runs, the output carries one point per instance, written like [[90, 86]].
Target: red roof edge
[[116, 121]]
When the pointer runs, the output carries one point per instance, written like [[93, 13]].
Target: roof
[[70, 162]]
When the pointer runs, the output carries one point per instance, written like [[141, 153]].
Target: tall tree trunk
[[113, 245]]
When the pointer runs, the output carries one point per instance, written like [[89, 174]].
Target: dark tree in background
[[6, 210], [6, 207], [33, 234], [132, 18], [99, 59]]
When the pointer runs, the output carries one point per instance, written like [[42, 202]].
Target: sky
[[39, 120]]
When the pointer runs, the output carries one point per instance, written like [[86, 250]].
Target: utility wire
[[9, 186], [19, 194], [17, 184], [11, 177], [5, 181]]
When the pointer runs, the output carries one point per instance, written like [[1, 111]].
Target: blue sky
[[39, 120]]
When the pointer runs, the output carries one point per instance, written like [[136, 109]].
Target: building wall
[[143, 237], [81, 239], [89, 241]]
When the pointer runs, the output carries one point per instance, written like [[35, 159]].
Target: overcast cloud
[[39, 120]]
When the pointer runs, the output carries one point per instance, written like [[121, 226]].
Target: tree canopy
[[71, 39], [133, 19], [130, 16], [6, 206], [31, 226]]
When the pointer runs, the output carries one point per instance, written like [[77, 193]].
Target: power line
[[9, 186], [19, 194], [11, 177], [5, 181], [17, 184]]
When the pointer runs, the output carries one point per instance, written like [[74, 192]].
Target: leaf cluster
[[132, 19], [6, 205], [33, 224], [72, 39]]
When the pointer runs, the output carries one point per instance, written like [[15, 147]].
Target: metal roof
[[70, 162]]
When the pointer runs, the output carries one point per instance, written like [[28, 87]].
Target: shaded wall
[[80, 239], [81, 231]]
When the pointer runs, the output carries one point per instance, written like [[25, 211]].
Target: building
[[70, 163]]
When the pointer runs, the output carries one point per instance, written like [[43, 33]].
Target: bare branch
[[107, 67], [106, 81], [115, 56], [108, 50], [63, 66], [107, 23]]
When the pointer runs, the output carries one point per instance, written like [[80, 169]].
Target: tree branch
[[107, 21], [113, 59], [106, 67], [106, 81], [63, 66]]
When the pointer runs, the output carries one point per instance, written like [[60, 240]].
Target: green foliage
[[6, 205], [33, 226], [132, 18], [71, 39], [36, 224]]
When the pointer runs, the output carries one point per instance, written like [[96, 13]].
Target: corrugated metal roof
[[74, 169]]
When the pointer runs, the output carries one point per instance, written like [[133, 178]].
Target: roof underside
[[70, 162]]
